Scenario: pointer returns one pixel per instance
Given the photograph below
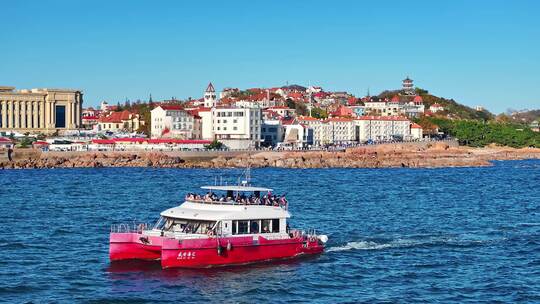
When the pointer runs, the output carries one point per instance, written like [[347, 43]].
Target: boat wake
[[450, 241], [362, 245]]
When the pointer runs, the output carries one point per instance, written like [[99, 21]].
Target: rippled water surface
[[396, 235]]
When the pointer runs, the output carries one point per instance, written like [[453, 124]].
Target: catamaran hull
[[209, 252], [134, 246], [233, 251]]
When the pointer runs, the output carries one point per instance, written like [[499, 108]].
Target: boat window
[[160, 223], [234, 224], [187, 226], [275, 225], [265, 226], [254, 227], [243, 227]]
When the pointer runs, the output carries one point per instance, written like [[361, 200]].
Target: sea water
[[395, 235]]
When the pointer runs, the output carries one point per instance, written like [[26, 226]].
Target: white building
[[283, 111], [297, 135], [416, 131], [237, 128], [396, 107], [382, 128], [434, 108], [173, 121], [320, 132], [313, 89], [340, 130], [207, 131]]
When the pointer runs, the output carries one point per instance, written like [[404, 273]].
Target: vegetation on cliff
[[476, 133]]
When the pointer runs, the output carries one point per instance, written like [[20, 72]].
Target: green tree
[[319, 113], [214, 145], [25, 142]]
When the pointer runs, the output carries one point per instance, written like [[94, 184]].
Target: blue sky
[[477, 52]]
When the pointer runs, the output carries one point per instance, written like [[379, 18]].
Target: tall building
[[40, 110], [210, 98], [237, 128]]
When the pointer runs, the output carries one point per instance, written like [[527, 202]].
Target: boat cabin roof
[[216, 212], [239, 188]]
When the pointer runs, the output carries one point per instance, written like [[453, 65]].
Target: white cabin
[[225, 217]]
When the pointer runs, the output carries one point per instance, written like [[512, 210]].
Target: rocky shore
[[430, 155]]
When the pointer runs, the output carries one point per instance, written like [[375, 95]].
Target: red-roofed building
[[351, 101], [88, 122], [295, 96], [283, 111], [416, 131], [120, 121], [175, 122], [342, 111]]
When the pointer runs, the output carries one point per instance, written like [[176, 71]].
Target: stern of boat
[[133, 244]]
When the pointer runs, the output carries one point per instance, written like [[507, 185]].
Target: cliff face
[[383, 156]]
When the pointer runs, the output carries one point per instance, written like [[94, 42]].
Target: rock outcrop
[[383, 156]]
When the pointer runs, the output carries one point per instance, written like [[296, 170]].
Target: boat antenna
[[246, 175]]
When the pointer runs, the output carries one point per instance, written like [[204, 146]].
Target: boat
[[229, 225]]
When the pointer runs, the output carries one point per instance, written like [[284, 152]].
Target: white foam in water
[[363, 245]]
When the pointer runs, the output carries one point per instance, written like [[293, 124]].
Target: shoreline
[[399, 155]]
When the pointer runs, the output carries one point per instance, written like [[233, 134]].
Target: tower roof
[[418, 99], [210, 88]]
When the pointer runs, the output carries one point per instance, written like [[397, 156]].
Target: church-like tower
[[210, 99]]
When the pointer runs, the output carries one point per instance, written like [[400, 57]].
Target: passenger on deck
[[240, 198]]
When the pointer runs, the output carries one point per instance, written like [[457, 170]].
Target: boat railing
[[230, 202], [300, 233], [129, 228]]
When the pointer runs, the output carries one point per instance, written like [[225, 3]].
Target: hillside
[[526, 117], [453, 109]]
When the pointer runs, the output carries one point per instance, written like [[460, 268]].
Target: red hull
[[204, 253], [127, 246]]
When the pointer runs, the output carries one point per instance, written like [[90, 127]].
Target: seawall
[[413, 155]]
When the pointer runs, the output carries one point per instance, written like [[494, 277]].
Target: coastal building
[[207, 129], [320, 133], [89, 122], [237, 128], [174, 122], [40, 110], [380, 128], [271, 132], [125, 121], [296, 135], [340, 130], [416, 131]]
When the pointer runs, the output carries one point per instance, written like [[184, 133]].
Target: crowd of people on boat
[[240, 198]]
